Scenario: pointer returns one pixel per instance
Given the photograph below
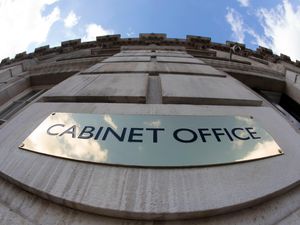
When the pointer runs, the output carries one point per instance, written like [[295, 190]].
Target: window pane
[[19, 104], [11, 109], [28, 96]]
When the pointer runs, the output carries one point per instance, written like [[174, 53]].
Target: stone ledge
[[96, 188], [115, 41]]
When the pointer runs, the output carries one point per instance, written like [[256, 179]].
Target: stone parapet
[[191, 42]]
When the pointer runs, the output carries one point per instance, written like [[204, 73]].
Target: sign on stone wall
[[152, 140]]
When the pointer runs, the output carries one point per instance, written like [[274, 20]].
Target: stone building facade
[[149, 75]]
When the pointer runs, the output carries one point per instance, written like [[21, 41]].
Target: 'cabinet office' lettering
[[152, 140]]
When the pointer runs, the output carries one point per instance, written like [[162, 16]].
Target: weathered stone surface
[[154, 90], [200, 41], [92, 68], [21, 207], [107, 38], [71, 86], [179, 60], [117, 88], [152, 67], [123, 67], [128, 59], [71, 43], [189, 69], [129, 53], [8, 73], [150, 193], [11, 90], [292, 219], [184, 89], [146, 193], [153, 36], [101, 87], [262, 71], [41, 49]]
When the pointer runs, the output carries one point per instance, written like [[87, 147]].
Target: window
[[17, 105], [285, 105]]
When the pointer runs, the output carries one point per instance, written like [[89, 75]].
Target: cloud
[[280, 24], [238, 144], [22, 24], [65, 146], [93, 30], [244, 3], [236, 22], [71, 20], [109, 120], [153, 123], [240, 29], [262, 149], [130, 32], [245, 120]]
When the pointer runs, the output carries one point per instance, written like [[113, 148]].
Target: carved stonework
[[191, 42]]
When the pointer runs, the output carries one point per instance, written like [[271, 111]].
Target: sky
[[27, 24]]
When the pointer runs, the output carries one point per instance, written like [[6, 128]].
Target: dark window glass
[[28, 96], [14, 107], [11, 109], [291, 106], [286, 105]]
